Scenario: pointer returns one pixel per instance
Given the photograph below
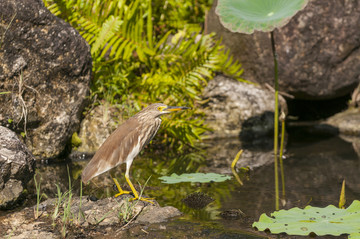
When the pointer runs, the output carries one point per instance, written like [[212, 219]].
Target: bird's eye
[[160, 108]]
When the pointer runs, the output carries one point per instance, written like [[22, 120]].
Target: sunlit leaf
[[355, 235], [321, 221], [342, 200], [194, 178], [245, 16]]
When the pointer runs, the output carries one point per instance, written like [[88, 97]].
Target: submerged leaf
[[321, 221], [194, 178]]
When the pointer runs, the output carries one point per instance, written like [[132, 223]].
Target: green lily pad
[[321, 221], [194, 178], [355, 235], [245, 16]]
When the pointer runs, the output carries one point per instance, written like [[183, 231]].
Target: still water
[[315, 165]]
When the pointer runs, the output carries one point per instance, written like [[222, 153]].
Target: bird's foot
[[122, 192], [143, 199]]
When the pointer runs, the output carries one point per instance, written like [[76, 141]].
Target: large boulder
[[45, 66], [16, 167], [97, 125], [236, 108], [318, 50]]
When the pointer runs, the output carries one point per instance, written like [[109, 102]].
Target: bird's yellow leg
[[121, 191], [136, 195]]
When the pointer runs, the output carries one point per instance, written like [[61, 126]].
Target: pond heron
[[125, 143]]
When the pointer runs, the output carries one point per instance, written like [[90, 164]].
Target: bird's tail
[[87, 173], [94, 168]]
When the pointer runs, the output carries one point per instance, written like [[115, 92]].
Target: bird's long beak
[[175, 108]]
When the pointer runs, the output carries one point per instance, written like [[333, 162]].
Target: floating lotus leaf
[[321, 221], [355, 235], [194, 178], [245, 16]]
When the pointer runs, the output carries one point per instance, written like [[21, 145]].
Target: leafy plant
[[39, 196], [127, 213], [134, 64], [80, 214], [75, 140], [66, 219], [321, 221], [58, 203], [178, 14], [64, 201], [194, 178]]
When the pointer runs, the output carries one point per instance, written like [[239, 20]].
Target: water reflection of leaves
[[184, 163], [172, 195], [157, 165]]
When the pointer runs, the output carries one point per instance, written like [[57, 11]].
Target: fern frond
[[108, 25], [108, 29]]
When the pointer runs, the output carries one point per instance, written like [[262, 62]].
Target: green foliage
[[5, 92], [39, 196], [321, 221], [58, 203], [62, 208], [245, 16], [176, 14], [194, 178], [75, 140], [355, 235], [135, 65]]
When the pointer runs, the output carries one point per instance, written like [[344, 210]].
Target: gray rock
[[318, 50], [17, 225], [355, 142], [112, 211], [97, 125], [152, 215], [355, 97], [16, 167], [347, 122], [108, 214], [235, 107], [46, 67]]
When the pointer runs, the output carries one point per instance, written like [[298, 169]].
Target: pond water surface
[[314, 167]]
